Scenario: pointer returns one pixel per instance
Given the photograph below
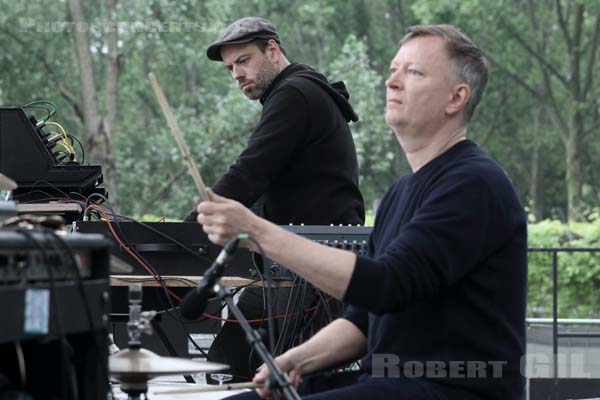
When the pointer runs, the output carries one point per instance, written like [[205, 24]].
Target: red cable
[[151, 272]]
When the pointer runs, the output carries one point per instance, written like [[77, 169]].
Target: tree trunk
[[105, 152], [581, 48], [574, 175], [535, 192], [89, 99], [99, 128]]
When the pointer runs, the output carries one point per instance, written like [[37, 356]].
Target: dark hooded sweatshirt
[[300, 157]]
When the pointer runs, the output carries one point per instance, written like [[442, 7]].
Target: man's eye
[[243, 61], [413, 71]]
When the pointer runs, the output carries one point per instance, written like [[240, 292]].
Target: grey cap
[[242, 31]]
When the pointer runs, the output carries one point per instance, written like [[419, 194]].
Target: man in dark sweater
[[437, 308], [299, 165]]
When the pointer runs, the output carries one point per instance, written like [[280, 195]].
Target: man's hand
[[286, 365], [222, 219]]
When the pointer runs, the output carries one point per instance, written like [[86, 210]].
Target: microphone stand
[[278, 380]]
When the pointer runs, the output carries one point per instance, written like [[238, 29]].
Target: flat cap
[[242, 31]]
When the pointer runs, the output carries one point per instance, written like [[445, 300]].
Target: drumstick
[[210, 388], [164, 106]]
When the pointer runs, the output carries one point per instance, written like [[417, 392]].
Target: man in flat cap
[[299, 165]]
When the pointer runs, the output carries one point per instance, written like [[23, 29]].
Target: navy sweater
[[444, 285]]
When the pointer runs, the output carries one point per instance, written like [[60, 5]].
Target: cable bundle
[[60, 144]]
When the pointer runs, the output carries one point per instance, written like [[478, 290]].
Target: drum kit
[[134, 367]]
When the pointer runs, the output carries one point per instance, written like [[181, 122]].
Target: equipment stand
[[279, 380]]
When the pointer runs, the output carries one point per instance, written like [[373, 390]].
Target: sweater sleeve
[[359, 317], [280, 130], [458, 224]]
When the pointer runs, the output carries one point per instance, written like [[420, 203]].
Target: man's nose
[[238, 73], [394, 81]]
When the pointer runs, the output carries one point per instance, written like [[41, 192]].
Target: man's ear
[[460, 96], [272, 50]]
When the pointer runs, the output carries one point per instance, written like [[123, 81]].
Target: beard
[[267, 73]]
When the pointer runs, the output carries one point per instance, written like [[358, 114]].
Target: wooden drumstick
[[185, 152], [210, 388]]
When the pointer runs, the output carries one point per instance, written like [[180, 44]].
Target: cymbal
[[6, 183], [140, 365]]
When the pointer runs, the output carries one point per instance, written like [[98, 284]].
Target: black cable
[[298, 311], [47, 109], [34, 190], [38, 104], [159, 278], [171, 306], [321, 319], [44, 199], [69, 258], [170, 238], [66, 254], [292, 308], [288, 308], [88, 199], [59, 325], [72, 198], [49, 184], [80, 146], [146, 226], [270, 320], [167, 308], [301, 315], [264, 309], [123, 238]]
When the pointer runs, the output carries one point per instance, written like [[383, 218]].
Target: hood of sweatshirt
[[336, 90]]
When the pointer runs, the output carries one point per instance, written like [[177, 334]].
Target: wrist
[[290, 360], [258, 228]]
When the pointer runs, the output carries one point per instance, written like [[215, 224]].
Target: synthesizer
[[182, 248], [28, 156]]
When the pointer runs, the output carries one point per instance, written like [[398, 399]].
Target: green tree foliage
[[539, 118], [376, 145], [578, 272], [353, 41], [547, 52]]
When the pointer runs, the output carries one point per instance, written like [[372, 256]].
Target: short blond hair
[[470, 64]]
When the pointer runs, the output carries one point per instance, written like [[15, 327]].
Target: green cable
[[51, 113]]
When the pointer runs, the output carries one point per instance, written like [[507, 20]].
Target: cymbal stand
[[139, 322]]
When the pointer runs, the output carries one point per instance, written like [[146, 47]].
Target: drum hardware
[[210, 388], [135, 366]]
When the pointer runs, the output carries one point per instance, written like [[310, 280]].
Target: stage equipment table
[[186, 281]]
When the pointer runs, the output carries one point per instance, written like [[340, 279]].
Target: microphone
[[194, 302]]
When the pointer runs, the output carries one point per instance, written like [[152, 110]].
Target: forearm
[[339, 342], [327, 268]]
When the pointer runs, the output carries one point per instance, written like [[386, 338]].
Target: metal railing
[[555, 321]]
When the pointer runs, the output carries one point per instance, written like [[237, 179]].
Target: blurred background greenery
[[540, 117]]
